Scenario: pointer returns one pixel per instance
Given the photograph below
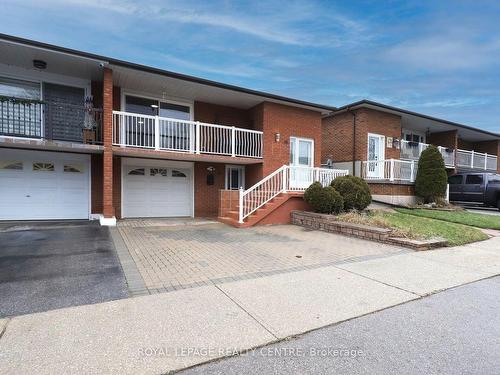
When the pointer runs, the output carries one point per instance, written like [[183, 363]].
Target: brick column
[[107, 121]]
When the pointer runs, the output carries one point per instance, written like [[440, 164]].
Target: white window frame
[[159, 99], [406, 132], [296, 151], [242, 171]]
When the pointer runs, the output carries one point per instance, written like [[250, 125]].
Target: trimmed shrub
[[325, 200], [354, 191], [432, 179]]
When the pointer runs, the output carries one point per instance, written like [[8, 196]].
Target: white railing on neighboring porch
[[286, 178], [390, 170], [476, 160], [167, 134], [413, 150], [464, 158]]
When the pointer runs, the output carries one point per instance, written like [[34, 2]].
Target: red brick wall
[[338, 134], [337, 138], [490, 147], [282, 214], [117, 186], [391, 189], [274, 118], [222, 115], [206, 197], [108, 210], [445, 139], [96, 165]]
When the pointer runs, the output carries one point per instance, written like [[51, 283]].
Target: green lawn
[[461, 217], [417, 227], [422, 227]]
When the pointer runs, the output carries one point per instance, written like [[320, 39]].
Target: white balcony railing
[[389, 170], [464, 158], [412, 151], [476, 160], [286, 178], [167, 134]]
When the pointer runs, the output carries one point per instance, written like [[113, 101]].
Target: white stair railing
[[285, 178]]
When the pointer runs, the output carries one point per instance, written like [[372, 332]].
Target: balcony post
[[240, 205], [191, 137], [412, 173], [472, 159], [157, 133], [485, 161], [284, 179], [391, 172], [197, 150], [233, 141]]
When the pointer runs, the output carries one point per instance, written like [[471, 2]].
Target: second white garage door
[[157, 188]]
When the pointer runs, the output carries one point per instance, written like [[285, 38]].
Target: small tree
[[432, 179], [354, 191]]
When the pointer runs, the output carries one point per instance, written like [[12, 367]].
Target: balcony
[[463, 158], [36, 119], [174, 135]]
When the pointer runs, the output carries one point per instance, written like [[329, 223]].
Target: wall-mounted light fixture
[[396, 143], [277, 137], [39, 64]]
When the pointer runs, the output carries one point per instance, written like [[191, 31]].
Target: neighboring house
[[382, 144], [85, 136]]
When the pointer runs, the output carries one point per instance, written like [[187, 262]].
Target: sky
[[441, 58]]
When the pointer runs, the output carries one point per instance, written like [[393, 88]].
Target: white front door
[[40, 185], [301, 162], [376, 155], [157, 188]]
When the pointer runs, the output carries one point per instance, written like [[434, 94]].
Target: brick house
[[382, 144], [84, 136]]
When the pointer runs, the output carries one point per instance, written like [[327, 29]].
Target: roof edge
[[168, 73], [366, 102]]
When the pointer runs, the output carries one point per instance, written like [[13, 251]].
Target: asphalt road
[[453, 332], [45, 266]]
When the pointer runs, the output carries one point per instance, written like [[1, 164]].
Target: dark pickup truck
[[477, 188]]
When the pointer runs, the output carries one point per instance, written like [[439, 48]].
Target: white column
[[485, 161], [472, 159], [157, 133], [391, 175], [197, 150], [240, 207], [233, 141], [412, 175]]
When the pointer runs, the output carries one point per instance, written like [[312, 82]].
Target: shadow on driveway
[[45, 266]]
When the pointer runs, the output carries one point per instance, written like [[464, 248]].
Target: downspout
[[353, 140]]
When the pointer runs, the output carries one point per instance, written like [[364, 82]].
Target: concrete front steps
[[276, 211]]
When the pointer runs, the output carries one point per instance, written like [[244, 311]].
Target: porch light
[[277, 137], [396, 143]]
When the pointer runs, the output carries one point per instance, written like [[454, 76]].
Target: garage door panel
[[31, 194], [160, 195]]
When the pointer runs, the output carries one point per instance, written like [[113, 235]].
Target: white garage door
[[38, 185], [157, 189]]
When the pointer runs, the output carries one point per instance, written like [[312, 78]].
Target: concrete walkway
[[170, 331]]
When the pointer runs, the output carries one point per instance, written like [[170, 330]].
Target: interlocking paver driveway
[[190, 254]]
